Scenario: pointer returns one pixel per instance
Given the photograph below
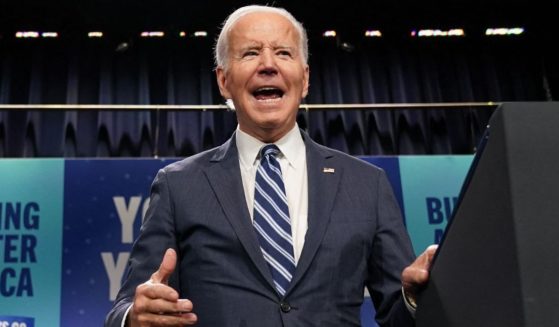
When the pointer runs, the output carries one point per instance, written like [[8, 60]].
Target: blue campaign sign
[[103, 208], [431, 185], [15, 321], [30, 238], [67, 228]]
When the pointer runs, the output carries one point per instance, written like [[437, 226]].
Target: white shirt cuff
[[410, 304], [123, 323]]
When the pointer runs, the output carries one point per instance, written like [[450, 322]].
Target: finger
[[165, 307], [153, 290], [432, 248], [413, 276], [180, 307], [166, 268], [427, 257], [153, 319], [164, 313], [189, 318]]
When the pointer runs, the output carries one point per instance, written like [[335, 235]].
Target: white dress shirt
[[293, 162]]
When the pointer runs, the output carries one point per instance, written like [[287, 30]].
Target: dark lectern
[[498, 262]]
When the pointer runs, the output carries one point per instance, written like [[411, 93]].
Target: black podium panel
[[498, 262]]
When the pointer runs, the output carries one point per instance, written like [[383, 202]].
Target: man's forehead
[[263, 23]]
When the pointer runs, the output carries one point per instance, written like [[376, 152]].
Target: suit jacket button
[[285, 307]]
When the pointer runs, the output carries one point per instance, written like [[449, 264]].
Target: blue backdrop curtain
[[165, 71]]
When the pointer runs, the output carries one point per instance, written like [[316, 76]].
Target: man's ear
[[306, 82], [222, 82]]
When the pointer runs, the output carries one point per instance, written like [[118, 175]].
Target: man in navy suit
[[198, 259]]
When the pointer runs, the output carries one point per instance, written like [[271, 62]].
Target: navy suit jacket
[[355, 239]]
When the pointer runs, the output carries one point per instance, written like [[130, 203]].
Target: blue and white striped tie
[[271, 219]]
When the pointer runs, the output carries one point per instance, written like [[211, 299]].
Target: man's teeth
[[270, 99]]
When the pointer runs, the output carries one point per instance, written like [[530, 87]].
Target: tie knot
[[269, 150]]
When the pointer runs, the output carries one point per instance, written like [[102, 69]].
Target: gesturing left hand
[[416, 275]]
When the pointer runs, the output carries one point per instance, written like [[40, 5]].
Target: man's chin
[[269, 131]]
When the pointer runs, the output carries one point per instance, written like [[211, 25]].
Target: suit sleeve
[[392, 252], [156, 235]]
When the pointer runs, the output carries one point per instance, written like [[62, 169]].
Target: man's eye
[[284, 53], [250, 54]]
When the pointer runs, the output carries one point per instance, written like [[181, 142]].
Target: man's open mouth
[[267, 93]]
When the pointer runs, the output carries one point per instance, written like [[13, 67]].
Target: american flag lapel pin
[[328, 170]]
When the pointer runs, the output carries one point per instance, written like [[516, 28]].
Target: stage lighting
[[373, 33], [438, 33], [95, 34], [152, 34], [504, 31], [27, 34], [49, 34]]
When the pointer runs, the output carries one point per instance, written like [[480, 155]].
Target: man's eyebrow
[[283, 47], [259, 46], [250, 47]]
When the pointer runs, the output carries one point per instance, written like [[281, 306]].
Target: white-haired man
[[208, 253]]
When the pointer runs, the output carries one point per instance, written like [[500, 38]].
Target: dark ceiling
[[127, 16]]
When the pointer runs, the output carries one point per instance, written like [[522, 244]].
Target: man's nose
[[267, 62]]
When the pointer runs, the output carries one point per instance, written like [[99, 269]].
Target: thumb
[[166, 267], [428, 256]]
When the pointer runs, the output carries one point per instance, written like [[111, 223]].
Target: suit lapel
[[323, 180], [224, 177]]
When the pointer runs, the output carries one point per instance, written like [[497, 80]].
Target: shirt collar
[[291, 145]]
